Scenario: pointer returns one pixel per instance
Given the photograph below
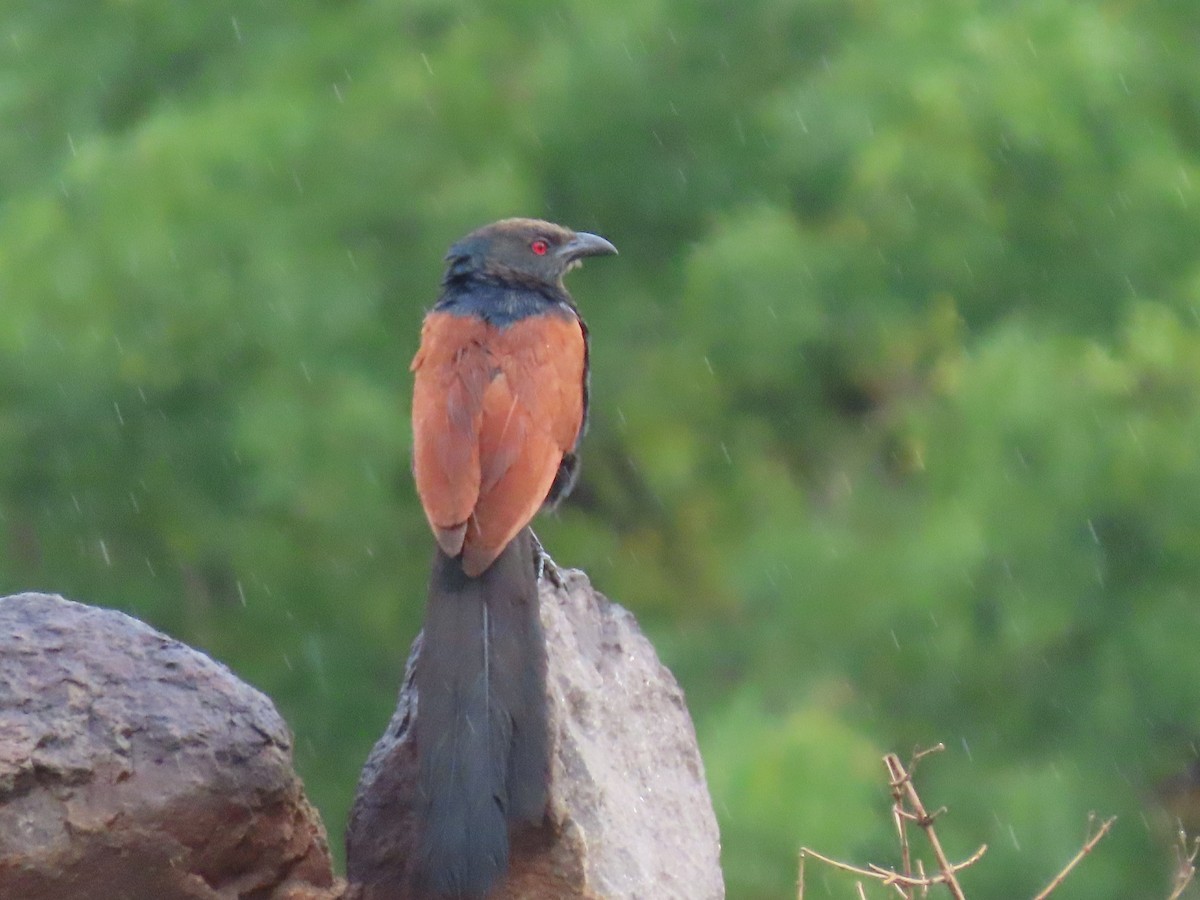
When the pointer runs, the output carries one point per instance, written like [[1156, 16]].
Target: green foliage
[[755, 759], [896, 435]]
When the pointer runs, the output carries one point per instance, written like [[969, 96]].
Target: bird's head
[[523, 250]]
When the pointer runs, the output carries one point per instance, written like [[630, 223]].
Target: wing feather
[[494, 410]]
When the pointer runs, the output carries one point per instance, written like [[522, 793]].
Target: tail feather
[[481, 727]]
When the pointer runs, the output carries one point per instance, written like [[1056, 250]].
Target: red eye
[[539, 247]]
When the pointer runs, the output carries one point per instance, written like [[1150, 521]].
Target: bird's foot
[[545, 566]]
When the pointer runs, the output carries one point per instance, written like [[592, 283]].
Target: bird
[[500, 402]]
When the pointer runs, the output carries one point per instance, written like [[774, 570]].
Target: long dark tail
[[481, 727]]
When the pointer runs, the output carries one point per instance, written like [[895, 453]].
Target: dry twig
[[885, 876], [1087, 848], [1185, 864], [907, 807], [903, 792]]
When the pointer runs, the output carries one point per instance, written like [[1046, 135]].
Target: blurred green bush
[[896, 430]]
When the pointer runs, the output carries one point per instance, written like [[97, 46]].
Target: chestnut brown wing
[[494, 410]]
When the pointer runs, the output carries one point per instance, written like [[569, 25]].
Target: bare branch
[[1185, 864], [836, 863], [889, 877], [902, 783], [924, 881], [919, 755], [906, 807], [899, 819], [1087, 848]]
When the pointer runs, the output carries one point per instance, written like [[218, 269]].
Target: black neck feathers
[[501, 299]]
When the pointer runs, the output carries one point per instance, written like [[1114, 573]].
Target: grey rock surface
[[133, 767], [629, 813]]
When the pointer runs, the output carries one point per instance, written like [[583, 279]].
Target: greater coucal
[[500, 401]]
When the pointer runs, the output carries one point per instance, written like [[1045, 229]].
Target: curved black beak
[[585, 244]]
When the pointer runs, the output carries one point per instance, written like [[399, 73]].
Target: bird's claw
[[544, 566]]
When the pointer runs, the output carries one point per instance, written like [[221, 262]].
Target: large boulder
[[133, 767], [629, 813]]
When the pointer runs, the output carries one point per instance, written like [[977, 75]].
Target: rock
[[629, 813], [133, 767]]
